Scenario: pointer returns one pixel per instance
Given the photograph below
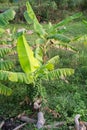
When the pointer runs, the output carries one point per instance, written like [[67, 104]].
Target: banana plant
[[32, 63], [4, 50], [33, 68], [53, 33]]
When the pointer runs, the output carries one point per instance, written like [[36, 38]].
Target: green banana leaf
[[39, 54], [58, 73], [15, 77], [5, 90], [6, 17], [60, 37], [26, 57], [31, 17], [27, 18], [67, 20]]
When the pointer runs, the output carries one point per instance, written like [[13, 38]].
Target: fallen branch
[[20, 126], [41, 120], [27, 119], [53, 112], [80, 125], [1, 124], [55, 125]]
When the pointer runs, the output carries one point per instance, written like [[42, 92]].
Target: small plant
[[34, 67]]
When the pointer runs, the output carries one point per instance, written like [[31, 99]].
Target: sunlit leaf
[[39, 54], [31, 17], [26, 57]]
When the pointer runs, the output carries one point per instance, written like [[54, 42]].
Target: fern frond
[[5, 90], [15, 77], [5, 64], [4, 51], [58, 73]]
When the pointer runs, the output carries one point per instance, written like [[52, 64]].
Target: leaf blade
[[26, 57]]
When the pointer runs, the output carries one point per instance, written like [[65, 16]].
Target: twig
[[20, 126]]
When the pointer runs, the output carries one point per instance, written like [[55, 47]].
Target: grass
[[76, 29], [30, 38]]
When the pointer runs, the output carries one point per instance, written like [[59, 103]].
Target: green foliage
[[52, 31], [38, 28], [31, 65], [42, 71], [6, 65], [5, 90], [4, 51], [67, 20], [3, 1], [6, 17], [44, 10], [39, 54], [71, 4], [54, 60], [67, 101], [15, 77], [60, 37], [59, 73], [27, 60]]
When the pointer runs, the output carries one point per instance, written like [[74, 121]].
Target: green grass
[[76, 29]]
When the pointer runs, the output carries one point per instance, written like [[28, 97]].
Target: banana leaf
[[6, 17], [26, 57]]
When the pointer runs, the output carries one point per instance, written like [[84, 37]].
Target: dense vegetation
[[55, 67]]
